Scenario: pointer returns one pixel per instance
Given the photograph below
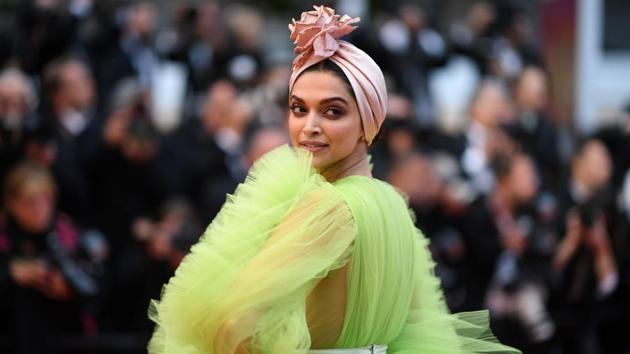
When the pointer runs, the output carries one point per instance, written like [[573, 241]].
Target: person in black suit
[[507, 255], [69, 112], [534, 130], [206, 154], [616, 138], [123, 47], [126, 175], [584, 264], [17, 103]]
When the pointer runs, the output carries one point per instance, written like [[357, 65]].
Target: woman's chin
[[318, 163]]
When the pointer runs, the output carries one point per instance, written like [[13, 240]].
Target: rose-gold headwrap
[[316, 38]]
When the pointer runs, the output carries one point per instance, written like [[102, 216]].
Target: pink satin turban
[[316, 36]]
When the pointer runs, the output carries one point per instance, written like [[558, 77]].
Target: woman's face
[[34, 210], [324, 118]]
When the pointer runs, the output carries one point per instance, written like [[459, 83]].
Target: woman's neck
[[354, 164]]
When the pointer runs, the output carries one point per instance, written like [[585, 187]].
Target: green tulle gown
[[246, 284]]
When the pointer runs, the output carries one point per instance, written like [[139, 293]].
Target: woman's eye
[[333, 111], [297, 108]]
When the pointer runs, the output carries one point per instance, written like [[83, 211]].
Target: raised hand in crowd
[[37, 275]]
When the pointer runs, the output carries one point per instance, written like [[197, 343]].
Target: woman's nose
[[312, 126]]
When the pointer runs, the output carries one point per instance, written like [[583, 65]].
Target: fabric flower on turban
[[316, 37]]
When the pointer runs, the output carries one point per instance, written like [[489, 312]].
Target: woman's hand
[[28, 273], [35, 274]]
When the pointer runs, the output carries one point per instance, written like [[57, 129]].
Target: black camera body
[[80, 280]]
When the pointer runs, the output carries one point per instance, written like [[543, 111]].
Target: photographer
[[438, 208], [69, 107], [532, 128], [584, 263], [168, 239], [127, 180], [125, 177], [206, 154], [47, 267], [160, 243], [17, 102], [509, 253]]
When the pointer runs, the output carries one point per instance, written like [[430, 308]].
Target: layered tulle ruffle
[[245, 284]]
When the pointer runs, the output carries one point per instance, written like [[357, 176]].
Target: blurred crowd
[[123, 125]]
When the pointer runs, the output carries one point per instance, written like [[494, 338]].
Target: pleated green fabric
[[244, 285], [394, 297]]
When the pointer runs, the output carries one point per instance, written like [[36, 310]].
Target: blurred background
[[123, 124]]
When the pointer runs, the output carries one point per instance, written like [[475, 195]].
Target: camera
[[80, 280]]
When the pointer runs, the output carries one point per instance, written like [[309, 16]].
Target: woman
[[312, 253], [41, 259]]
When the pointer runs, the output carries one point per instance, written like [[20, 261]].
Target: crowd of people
[[121, 133]]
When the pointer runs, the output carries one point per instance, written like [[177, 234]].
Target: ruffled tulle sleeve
[[394, 296], [244, 284], [431, 328]]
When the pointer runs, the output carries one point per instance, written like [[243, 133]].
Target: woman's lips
[[313, 146]]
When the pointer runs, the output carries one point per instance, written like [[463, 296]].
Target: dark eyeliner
[[338, 111]]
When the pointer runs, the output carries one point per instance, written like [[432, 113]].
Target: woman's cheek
[[294, 129]]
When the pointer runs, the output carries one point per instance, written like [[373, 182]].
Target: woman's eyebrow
[[297, 98], [324, 101], [334, 99]]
